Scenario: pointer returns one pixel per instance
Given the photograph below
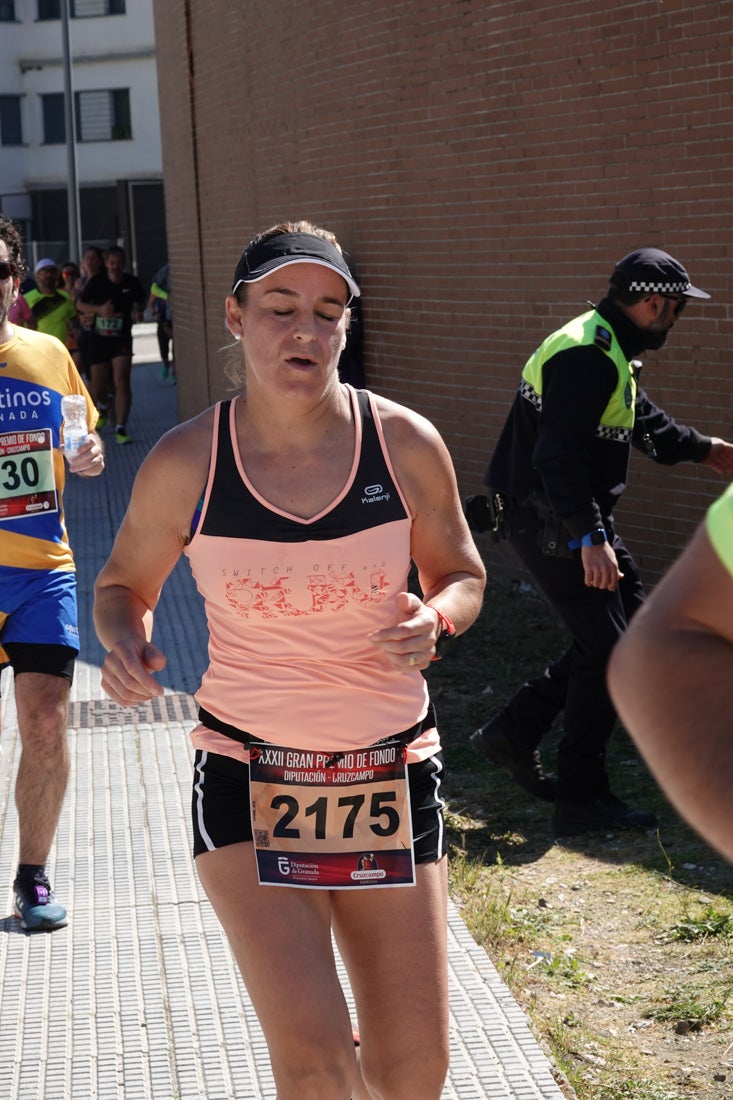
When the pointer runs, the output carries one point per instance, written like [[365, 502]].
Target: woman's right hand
[[126, 672]]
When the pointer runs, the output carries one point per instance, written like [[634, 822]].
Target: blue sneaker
[[36, 906]]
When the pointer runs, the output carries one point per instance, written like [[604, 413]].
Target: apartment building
[[117, 127]]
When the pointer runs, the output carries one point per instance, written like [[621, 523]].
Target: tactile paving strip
[[176, 707]]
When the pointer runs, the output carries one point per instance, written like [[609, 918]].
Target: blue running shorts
[[38, 607]]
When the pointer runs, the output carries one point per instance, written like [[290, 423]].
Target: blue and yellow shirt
[[36, 371]]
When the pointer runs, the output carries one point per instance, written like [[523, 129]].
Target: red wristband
[[445, 622], [446, 633]]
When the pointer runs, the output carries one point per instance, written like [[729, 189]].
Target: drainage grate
[[89, 713]]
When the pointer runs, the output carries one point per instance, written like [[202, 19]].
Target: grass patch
[[702, 926], [686, 1007], [639, 1090]]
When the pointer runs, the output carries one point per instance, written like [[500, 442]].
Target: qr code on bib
[[262, 838]]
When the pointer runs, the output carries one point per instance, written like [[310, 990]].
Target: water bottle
[[74, 410]]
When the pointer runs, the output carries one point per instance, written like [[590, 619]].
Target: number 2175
[[384, 819]]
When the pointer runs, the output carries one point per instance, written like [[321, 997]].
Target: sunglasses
[[7, 270], [679, 299]]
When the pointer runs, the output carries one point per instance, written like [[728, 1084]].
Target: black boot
[[501, 746], [607, 812]]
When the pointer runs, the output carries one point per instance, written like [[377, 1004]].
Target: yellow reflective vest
[[617, 419]]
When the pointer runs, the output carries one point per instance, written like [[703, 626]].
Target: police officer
[[559, 468]]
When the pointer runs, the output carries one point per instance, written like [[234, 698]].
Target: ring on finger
[[413, 659]]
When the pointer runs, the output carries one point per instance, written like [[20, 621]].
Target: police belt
[[534, 500], [552, 534]]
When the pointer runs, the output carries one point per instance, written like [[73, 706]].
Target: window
[[82, 8], [54, 123], [7, 11], [101, 115], [11, 132], [51, 9]]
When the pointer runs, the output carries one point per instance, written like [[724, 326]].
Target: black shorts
[[103, 349], [53, 660], [220, 805]]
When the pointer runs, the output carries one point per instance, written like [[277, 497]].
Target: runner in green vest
[[670, 678], [52, 308]]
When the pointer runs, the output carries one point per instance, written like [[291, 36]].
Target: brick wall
[[484, 164]]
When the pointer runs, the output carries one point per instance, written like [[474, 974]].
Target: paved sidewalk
[[138, 999]]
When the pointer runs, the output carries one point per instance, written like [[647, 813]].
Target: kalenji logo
[[374, 493]]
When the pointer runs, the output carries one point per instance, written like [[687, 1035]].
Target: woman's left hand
[[410, 643]]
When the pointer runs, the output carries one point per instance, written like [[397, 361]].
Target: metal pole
[[72, 183]]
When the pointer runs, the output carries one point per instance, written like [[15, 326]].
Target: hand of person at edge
[[601, 567]]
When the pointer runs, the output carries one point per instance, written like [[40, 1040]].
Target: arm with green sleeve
[[160, 286], [670, 678], [157, 291]]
